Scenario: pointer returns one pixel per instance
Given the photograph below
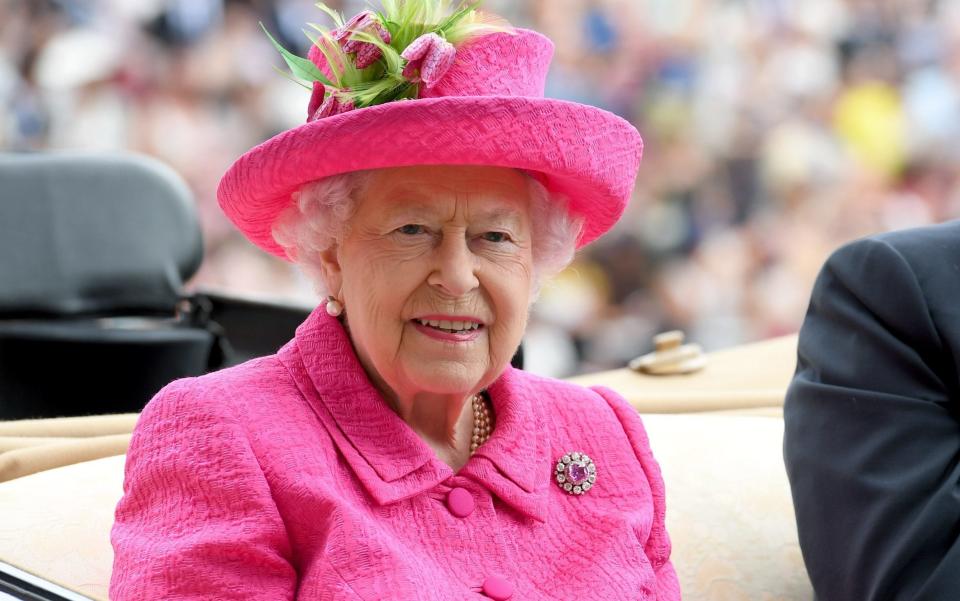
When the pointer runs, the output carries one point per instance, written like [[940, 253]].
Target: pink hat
[[486, 108]]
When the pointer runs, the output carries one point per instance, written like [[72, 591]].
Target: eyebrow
[[418, 209], [410, 211], [500, 214]]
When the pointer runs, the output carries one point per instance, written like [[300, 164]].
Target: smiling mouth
[[450, 327]]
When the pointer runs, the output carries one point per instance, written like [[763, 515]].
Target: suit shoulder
[[567, 403], [922, 249], [919, 242], [559, 394], [920, 264], [266, 371], [229, 390]]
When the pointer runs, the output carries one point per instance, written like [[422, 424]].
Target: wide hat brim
[[585, 154]]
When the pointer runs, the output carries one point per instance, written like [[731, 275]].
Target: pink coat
[[289, 478]]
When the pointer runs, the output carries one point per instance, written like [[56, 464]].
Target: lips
[[451, 326]]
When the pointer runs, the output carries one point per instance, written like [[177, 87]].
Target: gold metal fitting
[[671, 356]]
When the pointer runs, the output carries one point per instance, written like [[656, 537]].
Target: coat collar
[[390, 460]]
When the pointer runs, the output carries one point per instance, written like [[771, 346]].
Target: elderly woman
[[390, 451]]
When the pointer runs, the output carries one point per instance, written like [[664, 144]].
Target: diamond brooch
[[575, 473]]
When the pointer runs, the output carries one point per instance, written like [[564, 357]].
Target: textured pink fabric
[[289, 478], [488, 109]]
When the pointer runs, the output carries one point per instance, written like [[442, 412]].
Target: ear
[[331, 270]]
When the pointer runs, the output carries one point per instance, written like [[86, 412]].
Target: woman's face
[[436, 274]]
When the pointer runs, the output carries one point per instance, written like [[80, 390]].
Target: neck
[[445, 422]]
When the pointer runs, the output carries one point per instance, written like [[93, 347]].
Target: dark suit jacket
[[872, 440]]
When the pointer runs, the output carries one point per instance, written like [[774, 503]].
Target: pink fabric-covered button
[[497, 587], [460, 502]]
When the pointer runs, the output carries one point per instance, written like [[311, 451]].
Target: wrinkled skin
[[435, 240]]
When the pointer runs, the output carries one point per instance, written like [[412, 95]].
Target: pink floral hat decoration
[[422, 83]]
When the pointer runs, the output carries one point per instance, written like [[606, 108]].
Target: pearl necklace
[[482, 422]]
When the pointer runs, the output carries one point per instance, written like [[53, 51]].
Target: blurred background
[[774, 130]]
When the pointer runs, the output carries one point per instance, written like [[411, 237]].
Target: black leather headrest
[[93, 234]]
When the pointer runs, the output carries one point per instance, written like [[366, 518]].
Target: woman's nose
[[455, 271]]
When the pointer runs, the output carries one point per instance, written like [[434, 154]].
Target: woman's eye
[[410, 229], [495, 237]]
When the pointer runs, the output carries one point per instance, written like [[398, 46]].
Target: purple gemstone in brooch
[[575, 473]]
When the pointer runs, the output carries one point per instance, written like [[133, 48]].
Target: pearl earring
[[334, 307]]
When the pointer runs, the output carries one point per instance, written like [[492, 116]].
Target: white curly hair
[[320, 213]]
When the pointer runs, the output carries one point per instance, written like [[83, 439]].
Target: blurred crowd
[[774, 132]]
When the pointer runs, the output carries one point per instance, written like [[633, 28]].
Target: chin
[[443, 380]]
